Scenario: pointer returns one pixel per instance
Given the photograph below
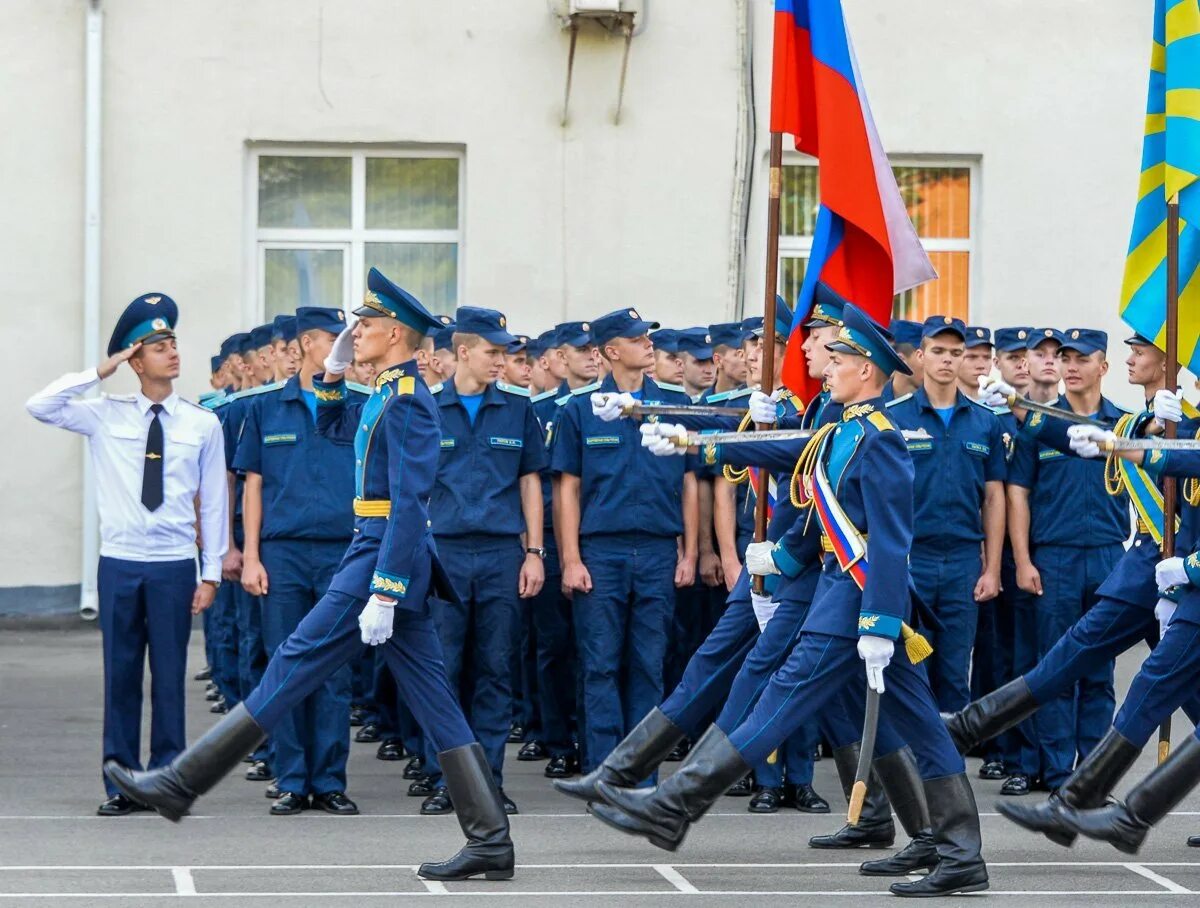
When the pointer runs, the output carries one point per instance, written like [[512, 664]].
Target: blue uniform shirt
[[545, 408], [1068, 503], [624, 488], [951, 467], [307, 478], [481, 461]]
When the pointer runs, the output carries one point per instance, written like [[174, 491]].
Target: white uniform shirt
[[193, 464]]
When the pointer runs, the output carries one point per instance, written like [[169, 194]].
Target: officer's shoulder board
[[586, 389], [121, 398], [406, 385], [261, 389], [545, 395], [512, 389], [199, 406], [728, 395], [898, 400], [361, 389], [879, 420], [667, 386]]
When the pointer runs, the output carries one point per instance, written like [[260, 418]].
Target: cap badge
[[1049, 332], [502, 321], [341, 316], [947, 319], [1021, 335], [585, 327], [633, 314], [979, 332], [154, 300], [159, 324], [1075, 335]]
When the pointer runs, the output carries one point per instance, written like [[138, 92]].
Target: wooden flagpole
[[1170, 486]]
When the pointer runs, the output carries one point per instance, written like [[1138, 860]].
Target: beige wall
[[557, 222]]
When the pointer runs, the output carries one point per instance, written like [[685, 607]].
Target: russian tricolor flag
[[864, 245]]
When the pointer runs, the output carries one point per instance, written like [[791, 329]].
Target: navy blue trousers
[[945, 580], [223, 629], [1167, 680], [251, 650], [621, 634], [479, 633], [144, 606], [555, 639], [309, 745]]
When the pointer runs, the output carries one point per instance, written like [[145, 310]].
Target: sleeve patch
[[390, 584]]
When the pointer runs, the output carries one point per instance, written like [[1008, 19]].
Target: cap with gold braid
[[384, 299]]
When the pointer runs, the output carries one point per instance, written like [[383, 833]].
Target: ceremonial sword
[[682, 410], [1016, 400], [699, 439], [866, 753], [1151, 444]]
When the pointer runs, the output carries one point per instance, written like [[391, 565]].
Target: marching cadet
[[626, 523], [976, 361], [959, 504], [873, 478], [487, 494], [384, 581], [1041, 354], [906, 341], [699, 370], [160, 468], [668, 367], [296, 527]]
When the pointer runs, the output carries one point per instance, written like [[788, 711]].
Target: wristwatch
[[541, 553]]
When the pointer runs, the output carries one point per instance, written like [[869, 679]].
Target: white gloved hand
[[341, 355], [993, 392], [608, 406], [758, 559], [1164, 612], [1086, 440], [660, 439], [1168, 406], [764, 609], [764, 409], [1169, 572], [375, 622], [876, 652]]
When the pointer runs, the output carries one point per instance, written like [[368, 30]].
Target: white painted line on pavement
[[1169, 885], [496, 892], [184, 884], [319, 817], [675, 878], [631, 865], [434, 887]]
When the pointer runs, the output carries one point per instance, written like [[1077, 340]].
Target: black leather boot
[[902, 782], [1124, 826], [991, 714], [635, 758], [489, 849], [875, 828], [1088, 786], [955, 820], [663, 814], [171, 789]]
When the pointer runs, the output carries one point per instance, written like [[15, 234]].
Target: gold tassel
[[733, 474], [915, 645]]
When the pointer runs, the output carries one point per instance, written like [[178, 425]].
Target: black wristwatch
[[541, 553]]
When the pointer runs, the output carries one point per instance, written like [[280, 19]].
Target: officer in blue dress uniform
[[384, 581], [296, 527], [487, 494], [960, 474], [621, 515], [863, 458]]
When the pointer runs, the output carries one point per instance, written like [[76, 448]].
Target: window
[[323, 218], [938, 198]]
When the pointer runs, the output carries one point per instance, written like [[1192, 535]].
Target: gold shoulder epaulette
[[880, 421]]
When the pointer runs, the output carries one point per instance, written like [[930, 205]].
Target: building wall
[[558, 221]]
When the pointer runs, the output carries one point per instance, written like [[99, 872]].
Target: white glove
[[764, 409], [1086, 440], [341, 355], [1168, 406], [662, 439], [1169, 572], [608, 406], [876, 652], [764, 609], [758, 559], [1164, 612], [993, 392], [375, 622]]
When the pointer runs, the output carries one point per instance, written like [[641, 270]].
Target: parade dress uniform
[[151, 461], [395, 435]]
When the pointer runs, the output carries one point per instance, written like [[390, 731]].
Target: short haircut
[[462, 339]]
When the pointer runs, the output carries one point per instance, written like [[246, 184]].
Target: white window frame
[[354, 238], [801, 247]]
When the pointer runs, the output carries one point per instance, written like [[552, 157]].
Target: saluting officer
[[154, 454], [296, 527]]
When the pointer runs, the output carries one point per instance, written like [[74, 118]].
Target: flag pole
[[1170, 486]]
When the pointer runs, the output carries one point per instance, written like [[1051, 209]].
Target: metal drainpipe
[[92, 132]]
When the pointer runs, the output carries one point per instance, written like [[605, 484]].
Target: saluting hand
[[110, 365]]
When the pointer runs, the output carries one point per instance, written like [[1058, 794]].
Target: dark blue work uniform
[[1077, 532], [223, 624], [478, 522], [631, 514], [392, 552], [307, 522], [951, 469]]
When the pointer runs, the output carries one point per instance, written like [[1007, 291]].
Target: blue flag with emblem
[[1170, 166]]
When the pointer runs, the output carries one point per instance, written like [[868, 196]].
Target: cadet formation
[[451, 537]]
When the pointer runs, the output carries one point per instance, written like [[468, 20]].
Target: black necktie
[[152, 475]]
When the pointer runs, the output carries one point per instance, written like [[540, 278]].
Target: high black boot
[[875, 828], [635, 758], [1124, 826], [1088, 787], [663, 814], [991, 714], [902, 781], [489, 850], [171, 789], [956, 836]]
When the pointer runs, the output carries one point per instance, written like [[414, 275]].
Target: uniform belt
[[365, 507], [827, 543]]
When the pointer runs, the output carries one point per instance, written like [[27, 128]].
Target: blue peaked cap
[[490, 324], [1084, 340], [861, 336], [261, 336], [149, 318], [621, 323], [385, 299], [233, 344], [1041, 335], [665, 339], [1009, 339], [940, 324], [728, 334], [783, 320], [905, 331], [324, 318], [696, 341], [978, 336], [827, 307]]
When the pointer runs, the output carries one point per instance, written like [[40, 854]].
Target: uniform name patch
[[448, 442], [976, 448], [497, 442], [920, 446], [600, 441], [1049, 454], [281, 438]]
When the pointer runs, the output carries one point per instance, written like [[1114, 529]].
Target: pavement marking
[[630, 865], [184, 884], [1169, 885], [433, 887], [675, 878], [566, 893]]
